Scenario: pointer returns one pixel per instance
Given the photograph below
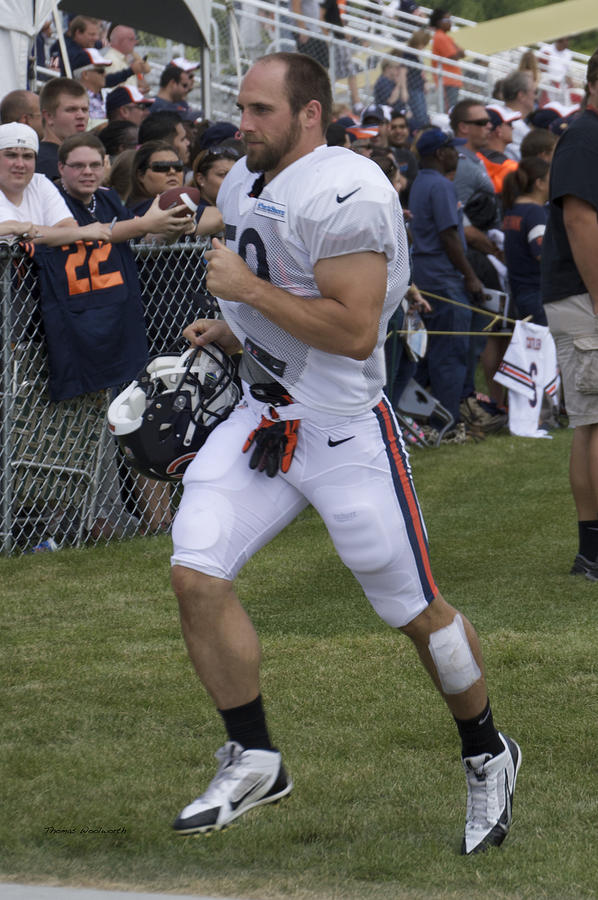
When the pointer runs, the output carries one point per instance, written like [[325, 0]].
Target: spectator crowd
[[87, 159]]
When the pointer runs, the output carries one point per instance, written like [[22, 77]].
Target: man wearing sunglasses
[[475, 190], [470, 121]]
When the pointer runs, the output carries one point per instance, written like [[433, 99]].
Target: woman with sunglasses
[[157, 168]]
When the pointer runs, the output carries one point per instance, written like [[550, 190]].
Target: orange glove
[[275, 443]]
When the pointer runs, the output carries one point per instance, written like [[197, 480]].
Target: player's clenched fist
[[229, 277]]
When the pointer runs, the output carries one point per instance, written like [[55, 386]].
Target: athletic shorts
[[353, 470], [574, 327]]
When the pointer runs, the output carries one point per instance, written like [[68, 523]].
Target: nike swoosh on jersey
[[332, 443], [346, 197]]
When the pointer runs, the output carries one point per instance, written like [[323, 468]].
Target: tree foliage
[[482, 10]]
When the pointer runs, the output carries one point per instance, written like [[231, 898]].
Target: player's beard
[[268, 158]]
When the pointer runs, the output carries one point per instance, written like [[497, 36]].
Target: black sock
[[247, 725], [478, 735], [588, 539]]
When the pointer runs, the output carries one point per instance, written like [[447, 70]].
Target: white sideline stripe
[[39, 892]]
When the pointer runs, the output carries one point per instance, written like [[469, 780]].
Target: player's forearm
[[322, 322]]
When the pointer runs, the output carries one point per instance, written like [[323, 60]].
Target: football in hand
[[176, 196]]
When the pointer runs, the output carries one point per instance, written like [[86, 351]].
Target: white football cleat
[[490, 788], [245, 778]]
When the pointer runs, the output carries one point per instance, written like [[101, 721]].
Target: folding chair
[[417, 403]]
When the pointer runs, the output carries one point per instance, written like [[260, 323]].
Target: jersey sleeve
[[535, 224], [358, 217]]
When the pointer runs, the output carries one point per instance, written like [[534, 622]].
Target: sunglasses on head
[[217, 152], [164, 167]]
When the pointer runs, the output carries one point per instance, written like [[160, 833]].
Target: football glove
[[273, 444]]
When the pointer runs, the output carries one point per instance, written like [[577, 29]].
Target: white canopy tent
[[20, 21]]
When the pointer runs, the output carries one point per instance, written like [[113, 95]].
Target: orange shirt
[[498, 171], [444, 45]]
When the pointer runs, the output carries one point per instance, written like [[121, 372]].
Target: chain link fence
[[63, 480]]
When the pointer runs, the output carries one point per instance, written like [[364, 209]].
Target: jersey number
[[97, 281], [251, 238]]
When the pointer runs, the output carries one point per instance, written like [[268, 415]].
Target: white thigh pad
[[357, 528], [454, 661]]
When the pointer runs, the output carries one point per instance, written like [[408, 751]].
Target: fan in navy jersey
[[110, 341], [100, 343], [314, 264]]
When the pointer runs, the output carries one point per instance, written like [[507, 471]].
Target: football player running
[[313, 264]]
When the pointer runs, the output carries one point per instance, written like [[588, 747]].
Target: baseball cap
[[359, 133], [216, 134], [551, 114], [88, 58], [501, 115], [17, 134], [124, 95], [372, 114], [433, 139], [187, 65]]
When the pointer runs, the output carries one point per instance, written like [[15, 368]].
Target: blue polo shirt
[[434, 207]]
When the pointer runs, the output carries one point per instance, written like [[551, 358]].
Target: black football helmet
[[163, 417]]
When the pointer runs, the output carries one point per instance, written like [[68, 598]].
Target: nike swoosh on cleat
[[332, 443], [346, 197], [234, 804]]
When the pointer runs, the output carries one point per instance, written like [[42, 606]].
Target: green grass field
[[104, 726]]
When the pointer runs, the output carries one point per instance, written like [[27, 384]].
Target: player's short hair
[[170, 73], [305, 80], [83, 139], [538, 141], [54, 89], [159, 126]]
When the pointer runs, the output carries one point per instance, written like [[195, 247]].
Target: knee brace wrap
[[454, 661]]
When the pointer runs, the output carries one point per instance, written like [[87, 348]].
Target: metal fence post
[[5, 479]]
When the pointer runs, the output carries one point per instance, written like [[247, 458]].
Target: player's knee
[[187, 583], [195, 590]]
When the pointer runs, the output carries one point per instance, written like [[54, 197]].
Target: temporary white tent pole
[[206, 98], [58, 23]]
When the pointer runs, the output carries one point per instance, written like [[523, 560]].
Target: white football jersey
[[529, 370], [330, 203]]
